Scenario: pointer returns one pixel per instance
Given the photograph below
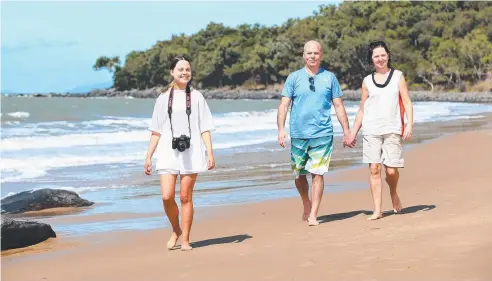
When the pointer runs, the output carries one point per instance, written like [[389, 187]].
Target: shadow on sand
[[223, 240], [347, 215]]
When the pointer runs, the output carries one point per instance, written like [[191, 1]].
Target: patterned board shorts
[[311, 155]]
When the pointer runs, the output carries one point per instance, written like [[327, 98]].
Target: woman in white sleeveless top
[[181, 126], [384, 93]]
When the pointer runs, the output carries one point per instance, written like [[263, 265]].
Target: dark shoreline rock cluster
[[352, 95]]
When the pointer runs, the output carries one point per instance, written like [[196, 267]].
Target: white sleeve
[[158, 117], [205, 116]]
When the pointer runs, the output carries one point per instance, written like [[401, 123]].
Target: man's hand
[[281, 138], [407, 135]]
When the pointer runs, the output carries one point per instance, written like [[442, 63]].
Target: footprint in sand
[[308, 263]]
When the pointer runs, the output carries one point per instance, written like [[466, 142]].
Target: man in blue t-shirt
[[312, 91]]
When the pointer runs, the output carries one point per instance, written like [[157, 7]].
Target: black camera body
[[181, 143]]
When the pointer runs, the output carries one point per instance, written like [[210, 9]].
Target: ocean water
[[97, 146], [41, 139]]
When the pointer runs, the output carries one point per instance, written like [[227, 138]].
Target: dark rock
[[42, 199], [18, 234]]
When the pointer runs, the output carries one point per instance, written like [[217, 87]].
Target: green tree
[[476, 52], [111, 64]]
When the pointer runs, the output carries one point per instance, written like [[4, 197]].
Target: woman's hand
[[211, 162], [148, 166], [407, 135]]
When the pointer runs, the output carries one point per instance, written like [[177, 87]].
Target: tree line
[[436, 44]]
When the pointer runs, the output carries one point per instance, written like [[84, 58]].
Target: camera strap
[[170, 109]]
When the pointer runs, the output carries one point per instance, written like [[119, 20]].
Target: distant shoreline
[[352, 95]]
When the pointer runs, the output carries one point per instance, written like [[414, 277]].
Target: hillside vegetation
[[441, 46]]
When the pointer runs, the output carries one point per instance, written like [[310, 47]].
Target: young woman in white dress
[[181, 125], [384, 100]]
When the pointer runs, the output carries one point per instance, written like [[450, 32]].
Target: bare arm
[[207, 139], [154, 140], [407, 102], [342, 118], [360, 112], [283, 108], [341, 115]]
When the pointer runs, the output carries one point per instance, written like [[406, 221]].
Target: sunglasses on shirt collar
[[311, 84]]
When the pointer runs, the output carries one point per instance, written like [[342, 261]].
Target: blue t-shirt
[[310, 116]]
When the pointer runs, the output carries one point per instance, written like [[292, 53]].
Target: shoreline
[[440, 236], [262, 182], [237, 94]]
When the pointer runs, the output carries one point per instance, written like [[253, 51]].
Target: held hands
[[148, 166], [281, 138], [349, 139]]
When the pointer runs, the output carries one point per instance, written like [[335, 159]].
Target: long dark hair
[[174, 62], [376, 44]]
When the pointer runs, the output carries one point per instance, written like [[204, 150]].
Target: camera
[[181, 143]]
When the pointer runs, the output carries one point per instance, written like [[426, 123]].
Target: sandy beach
[[443, 233]]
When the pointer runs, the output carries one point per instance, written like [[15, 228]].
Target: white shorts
[[386, 149], [174, 172]]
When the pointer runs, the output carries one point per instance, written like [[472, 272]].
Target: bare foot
[[312, 222], [307, 210], [172, 241], [186, 247], [396, 203], [375, 216]]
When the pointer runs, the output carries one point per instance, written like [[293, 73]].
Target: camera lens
[[181, 146]]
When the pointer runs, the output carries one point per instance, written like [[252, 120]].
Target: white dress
[[193, 159]]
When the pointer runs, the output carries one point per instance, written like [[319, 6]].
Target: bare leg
[[316, 194], [303, 188], [186, 196], [375, 182], [168, 190], [392, 176]]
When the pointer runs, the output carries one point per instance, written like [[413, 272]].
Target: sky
[[51, 46]]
